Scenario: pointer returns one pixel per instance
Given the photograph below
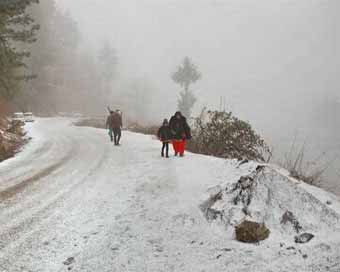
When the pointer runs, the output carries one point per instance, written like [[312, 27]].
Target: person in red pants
[[181, 133]]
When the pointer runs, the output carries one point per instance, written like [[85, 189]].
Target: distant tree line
[[17, 30], [43, 65]]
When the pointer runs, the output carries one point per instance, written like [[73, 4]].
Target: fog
[[275, 63]]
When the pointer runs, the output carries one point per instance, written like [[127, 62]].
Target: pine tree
[[53, 59], [186, 75], [17, 29]]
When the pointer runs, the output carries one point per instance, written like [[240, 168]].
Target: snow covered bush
[[220, 134]]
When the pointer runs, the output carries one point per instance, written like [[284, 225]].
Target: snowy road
[[73, 201]]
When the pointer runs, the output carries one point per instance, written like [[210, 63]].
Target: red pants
[[179, 146]]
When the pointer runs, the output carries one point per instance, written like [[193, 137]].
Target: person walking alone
[[114, 123]]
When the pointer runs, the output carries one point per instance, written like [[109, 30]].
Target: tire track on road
[[14, 234], [11, 191]]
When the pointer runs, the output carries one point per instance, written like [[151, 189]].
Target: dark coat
[[180, 128], [164, 133], [114, 121]]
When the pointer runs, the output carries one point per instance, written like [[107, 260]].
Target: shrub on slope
[[11, 134], [221, 134]]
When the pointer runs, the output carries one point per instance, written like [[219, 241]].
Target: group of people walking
[[175, 131]]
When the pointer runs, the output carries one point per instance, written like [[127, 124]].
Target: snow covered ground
[[73, 201]]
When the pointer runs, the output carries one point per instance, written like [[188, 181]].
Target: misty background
[[272, 63], [275, 63]]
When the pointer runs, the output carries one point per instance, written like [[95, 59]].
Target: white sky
[[260, 54]]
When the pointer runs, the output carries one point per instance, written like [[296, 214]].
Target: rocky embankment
[[11, 137], [263, 202]]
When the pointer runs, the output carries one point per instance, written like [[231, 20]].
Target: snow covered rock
[[263, 194], [288, 217]]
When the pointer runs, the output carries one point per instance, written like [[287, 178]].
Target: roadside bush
[[7, 150], [221, 134], [10, 138]]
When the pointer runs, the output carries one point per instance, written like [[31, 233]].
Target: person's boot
[[176, 154], [167, 155], [111, 139], [182, 154], [162, 154]]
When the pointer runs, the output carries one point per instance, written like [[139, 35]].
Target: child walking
[[164, 135]]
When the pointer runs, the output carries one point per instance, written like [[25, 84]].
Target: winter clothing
[[114, 123], [114, 120], [166, 147], [117, 134], [179, 127], [165, 135], [180, 131], [109, 120], [179, 147]]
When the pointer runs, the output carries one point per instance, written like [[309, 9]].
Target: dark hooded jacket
[[179, 127], [164, 133]]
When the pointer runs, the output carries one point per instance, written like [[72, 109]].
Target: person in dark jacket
[[117, 125], [114, 123], [165, 136], [181, 133], [109, 124]]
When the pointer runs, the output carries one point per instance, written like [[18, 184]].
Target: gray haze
[[275, 62]]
